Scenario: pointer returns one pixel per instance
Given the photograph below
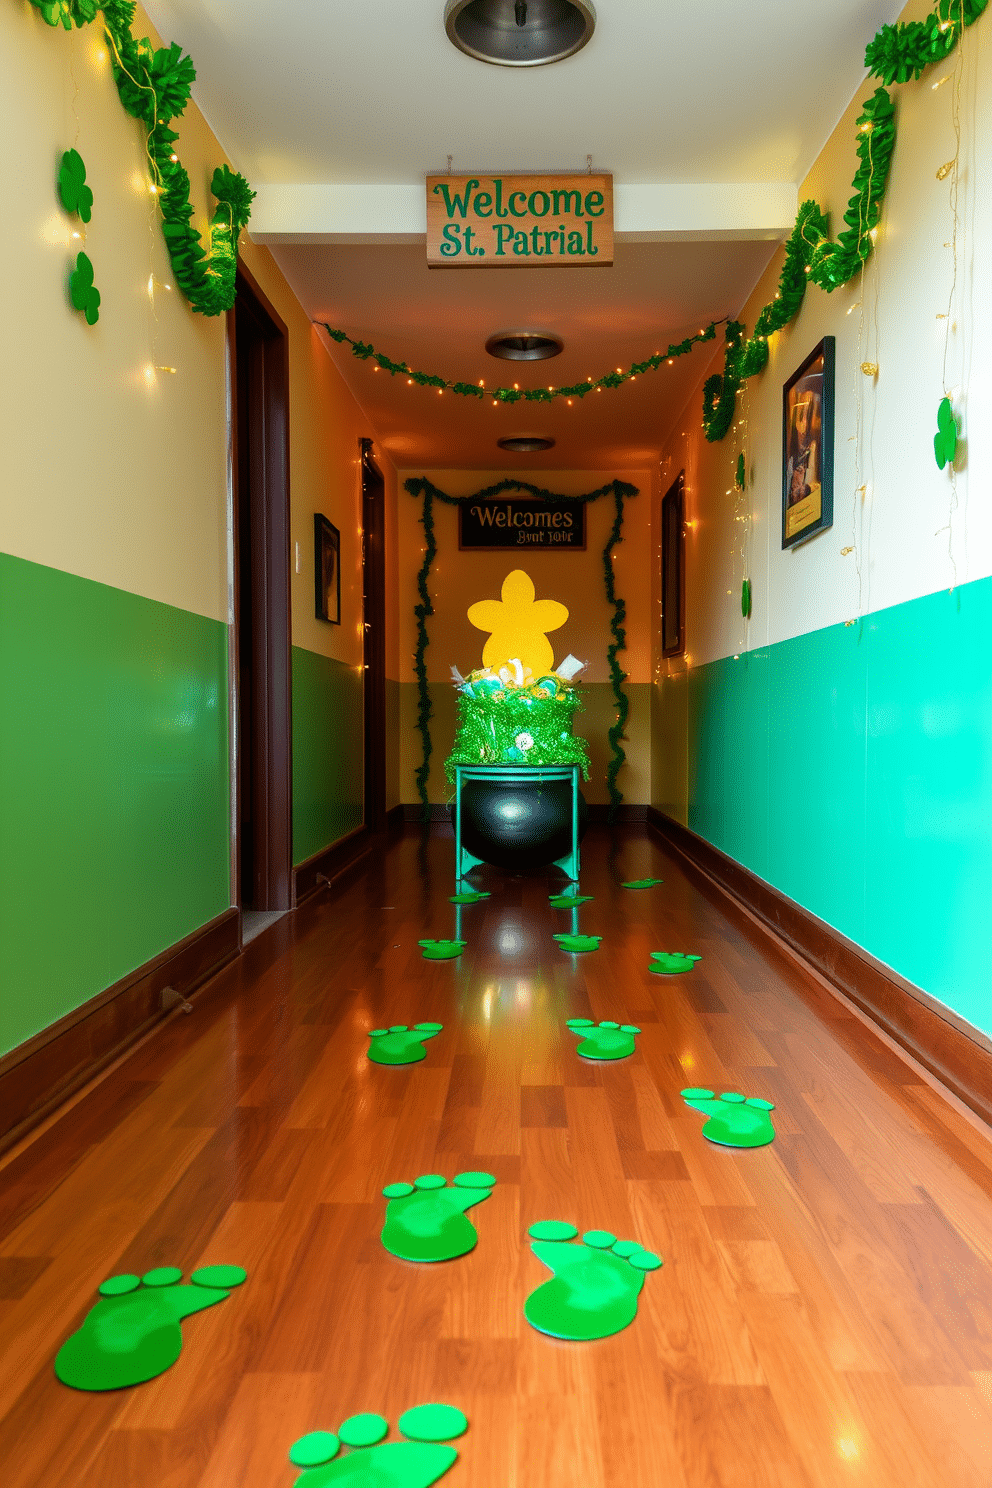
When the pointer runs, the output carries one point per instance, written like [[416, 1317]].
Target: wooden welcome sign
[[494, 222]]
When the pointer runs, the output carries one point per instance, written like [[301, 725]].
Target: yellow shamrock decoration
[[518, 623]]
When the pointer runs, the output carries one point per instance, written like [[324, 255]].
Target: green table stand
[[534, 774]]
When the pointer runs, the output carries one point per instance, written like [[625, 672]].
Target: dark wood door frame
[[374, 633], [258, 350]]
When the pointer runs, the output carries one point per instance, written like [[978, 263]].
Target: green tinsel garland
[[488, 727], [365, 352], [429, 493], [899, 53], [154, 86]]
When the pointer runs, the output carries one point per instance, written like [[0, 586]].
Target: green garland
[[896, 54], [429, 493], [154, 86], [365, 352]]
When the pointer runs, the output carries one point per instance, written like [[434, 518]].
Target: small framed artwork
[[673, 568], [808, 447], [327, 569]]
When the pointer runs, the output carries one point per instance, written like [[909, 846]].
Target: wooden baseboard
[[41, 1073], [394, 821], [599, 814], [327, 865], [959, 1055]]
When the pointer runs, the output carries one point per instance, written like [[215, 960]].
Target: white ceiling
[[334, 102]]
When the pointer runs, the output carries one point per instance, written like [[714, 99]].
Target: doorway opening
[[374, 633], [258, 347]]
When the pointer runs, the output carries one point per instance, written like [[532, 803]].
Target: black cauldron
[[519, 823]]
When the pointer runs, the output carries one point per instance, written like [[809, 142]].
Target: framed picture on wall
[[808, 447], [327, 569], [673, 568]]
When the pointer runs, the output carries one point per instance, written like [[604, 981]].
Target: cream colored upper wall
[[913, 533], [109, 469], [575, 579]]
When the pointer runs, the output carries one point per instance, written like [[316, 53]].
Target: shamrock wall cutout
[[746, 599], [82, 291], [945, 441], [740, 477], [74, 193]]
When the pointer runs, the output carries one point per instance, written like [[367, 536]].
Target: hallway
[[823, 1313]]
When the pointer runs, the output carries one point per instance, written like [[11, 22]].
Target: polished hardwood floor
[[824, 1313]]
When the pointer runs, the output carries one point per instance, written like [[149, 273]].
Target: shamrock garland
[[365, 352], [429, 493], [154, 86]]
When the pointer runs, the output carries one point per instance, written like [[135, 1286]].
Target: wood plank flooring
[[824, 1313]]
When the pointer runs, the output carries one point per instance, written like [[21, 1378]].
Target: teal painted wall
[[852, 769], [328, 752], [114, 818]]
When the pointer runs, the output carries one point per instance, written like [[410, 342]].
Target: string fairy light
[[950, 171]]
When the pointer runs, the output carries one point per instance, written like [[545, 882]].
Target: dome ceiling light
[[524, 346], [519, 33], [525, 444]]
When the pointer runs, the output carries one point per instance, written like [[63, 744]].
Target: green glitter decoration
[[489, 725]]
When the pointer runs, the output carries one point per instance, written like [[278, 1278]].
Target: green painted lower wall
[[852, 769], [114, 817], [328, 752]]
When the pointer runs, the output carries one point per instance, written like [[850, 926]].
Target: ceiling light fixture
[[525, 444], [524, 346], [519, 33]]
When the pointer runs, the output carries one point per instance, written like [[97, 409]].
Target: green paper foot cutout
[[667, 963], [734, 1121], [415, 1463], [132, 1334], [642, 883], [442, 950], [399, 1044], [568, 901], [579, 942], [425, 1219], [471, 898], [605, 1040], [595, 1286]]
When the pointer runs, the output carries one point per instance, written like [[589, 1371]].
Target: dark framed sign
[[808, 447], [673, 568], [327, 569], [503, 522]]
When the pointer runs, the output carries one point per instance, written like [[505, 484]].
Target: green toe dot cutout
[[552, 1229], [433, 1423], [363, 1430], [116, 1286], [593, 1290], [442, 950], [733, 1120], [162, 1276], [568, 901], [641, 883], [400, 1044], [667, 963], [219, 1276], [475, 1180], [609, 1023], [599, 1239], [428, 1221], [605, 1041], [314, 1449], [133, 1333], [575, 943], [473, 898], [626, 1248]]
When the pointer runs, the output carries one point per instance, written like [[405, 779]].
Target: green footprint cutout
[[595, 1286], [642, 883], [442, 950], [373, 1464], [579, 942], [132, 1334], [605, 1040], [667, 963], [425, 1219], [568, 901], [734, 1121], [399, 1044], [474, 897]]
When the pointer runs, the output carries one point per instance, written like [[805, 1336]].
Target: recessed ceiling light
[[525, 444], [524, 346], [519, 33]]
